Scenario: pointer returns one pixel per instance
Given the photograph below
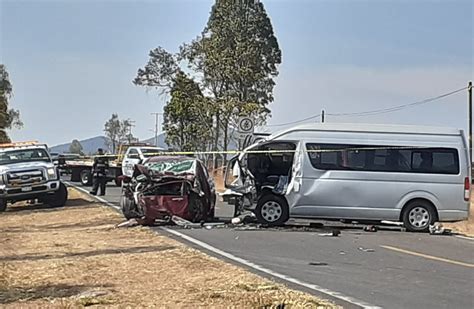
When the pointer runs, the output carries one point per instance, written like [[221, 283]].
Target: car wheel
[[418, 216], [238, 206], [196, 210], [128, 208], [86, 178], [59, 198], [3, 205], [272, 210]]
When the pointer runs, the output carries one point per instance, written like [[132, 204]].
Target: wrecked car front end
[[163, 187], [264, 179]]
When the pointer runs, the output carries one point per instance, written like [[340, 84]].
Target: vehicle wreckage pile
[[165, 187]]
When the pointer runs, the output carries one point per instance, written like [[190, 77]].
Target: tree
[[237, 55], [234, 62], [76, 147], [9, 118], [117, 131], [187, 120]]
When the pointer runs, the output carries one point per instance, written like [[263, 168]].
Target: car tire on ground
[[3, 205], [418, 215], [128, 207], [272, 210], [59, 198], [86, 178], [196, 208]]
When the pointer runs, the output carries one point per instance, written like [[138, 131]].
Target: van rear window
[[384, 158]]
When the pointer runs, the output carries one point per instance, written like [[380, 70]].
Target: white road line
[[465, 237], [93, 196], [249, 264], [270, 272]]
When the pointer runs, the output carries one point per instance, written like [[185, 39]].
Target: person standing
[[99, 173]]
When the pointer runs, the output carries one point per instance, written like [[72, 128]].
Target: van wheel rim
[[419, 217], [271, 211]]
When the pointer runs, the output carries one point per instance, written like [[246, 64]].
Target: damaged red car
[[167, 186]]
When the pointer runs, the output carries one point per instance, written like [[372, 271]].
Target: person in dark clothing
[[99, 170]]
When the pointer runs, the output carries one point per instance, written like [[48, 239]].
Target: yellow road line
[[426, 256]]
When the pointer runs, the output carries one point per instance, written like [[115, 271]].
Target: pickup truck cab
[[136, 155], [27, 172]]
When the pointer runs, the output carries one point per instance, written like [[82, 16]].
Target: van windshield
[[24, 155]]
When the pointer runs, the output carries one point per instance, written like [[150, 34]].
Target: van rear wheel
[[272, 210], [418, 216]]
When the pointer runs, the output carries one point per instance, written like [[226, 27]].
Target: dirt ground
[[464, 227], [74, 256]]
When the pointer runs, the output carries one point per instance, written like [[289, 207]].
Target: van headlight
[[51, 173]]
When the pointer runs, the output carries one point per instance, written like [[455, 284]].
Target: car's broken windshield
[[172, 167]]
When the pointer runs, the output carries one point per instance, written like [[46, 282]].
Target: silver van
[[414, 174]]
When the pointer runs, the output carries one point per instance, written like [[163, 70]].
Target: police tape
[[268, 151]]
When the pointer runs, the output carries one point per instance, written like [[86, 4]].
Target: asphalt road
[[402, 270]]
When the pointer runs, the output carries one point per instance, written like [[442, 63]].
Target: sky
[[72, 62]]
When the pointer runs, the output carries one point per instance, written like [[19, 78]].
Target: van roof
[[363, 127]]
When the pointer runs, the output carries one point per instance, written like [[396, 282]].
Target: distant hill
[[89, 145], [161, 141]]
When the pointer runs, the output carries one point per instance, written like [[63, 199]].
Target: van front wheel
[[272, 210], [418, 216]]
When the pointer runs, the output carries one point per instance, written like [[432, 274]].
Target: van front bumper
[[33, 190]]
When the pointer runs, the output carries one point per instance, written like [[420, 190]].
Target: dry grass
[[50, 256], [464, 227]]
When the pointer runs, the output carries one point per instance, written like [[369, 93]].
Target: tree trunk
[[216, 140]]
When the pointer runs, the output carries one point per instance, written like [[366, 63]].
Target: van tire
[[418, 215], [3, 205], [269, 206]]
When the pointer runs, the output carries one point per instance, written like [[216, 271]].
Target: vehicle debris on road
[[438, 229], [333, 233], [371, 228], [366, 249]]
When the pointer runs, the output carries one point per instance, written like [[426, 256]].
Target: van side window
[[383, 158]]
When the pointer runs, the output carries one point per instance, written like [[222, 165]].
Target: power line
[[397, 108], [376, 111], [293, 122]]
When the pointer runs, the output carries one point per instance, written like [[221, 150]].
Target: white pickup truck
[[28, 173], [136, 155]]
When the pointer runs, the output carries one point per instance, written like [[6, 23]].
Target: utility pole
[[322, 116], [469, 92], [131, 123], [157, 115]]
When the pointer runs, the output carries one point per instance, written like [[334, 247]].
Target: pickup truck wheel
[[3, 205], [272, 210], [86, 178], [59, 198]]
